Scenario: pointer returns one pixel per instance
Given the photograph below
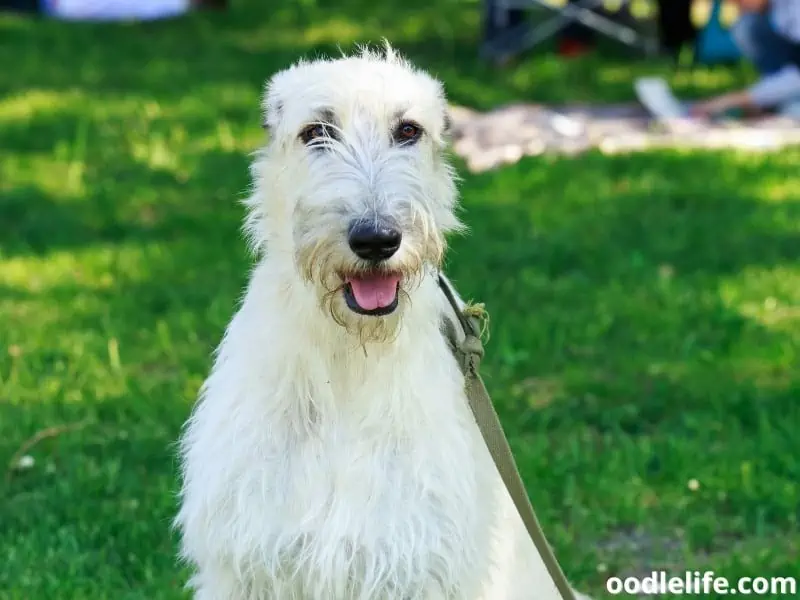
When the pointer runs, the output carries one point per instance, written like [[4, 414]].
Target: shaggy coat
[[332, 455]]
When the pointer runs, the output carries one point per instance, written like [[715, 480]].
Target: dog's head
[[355, 186]]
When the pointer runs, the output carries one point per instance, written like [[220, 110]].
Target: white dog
[[333, 455]]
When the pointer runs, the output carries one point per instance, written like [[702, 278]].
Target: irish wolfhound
[[332, 454]]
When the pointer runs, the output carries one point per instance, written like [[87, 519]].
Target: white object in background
[[115, 10], [566, 126], [657, 97]]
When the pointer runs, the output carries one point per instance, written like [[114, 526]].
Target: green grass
[[645, 309]]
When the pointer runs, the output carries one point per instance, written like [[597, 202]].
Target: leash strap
[[468, 353]]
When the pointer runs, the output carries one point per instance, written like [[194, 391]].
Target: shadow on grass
[[126, 202]]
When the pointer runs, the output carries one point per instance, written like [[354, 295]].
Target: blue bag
[[715, 43]]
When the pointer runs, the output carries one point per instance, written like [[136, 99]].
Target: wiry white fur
[[331, 455]]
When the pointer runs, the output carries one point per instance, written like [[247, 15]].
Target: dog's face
[[356, 162]]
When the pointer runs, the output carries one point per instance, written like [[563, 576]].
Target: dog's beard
[[336, 274], [367, 328]]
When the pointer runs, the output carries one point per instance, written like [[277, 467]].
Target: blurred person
[[768, 34]]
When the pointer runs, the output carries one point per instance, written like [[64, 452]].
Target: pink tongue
[[374, 291]]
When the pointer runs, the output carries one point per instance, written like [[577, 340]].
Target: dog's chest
[[362, 502]]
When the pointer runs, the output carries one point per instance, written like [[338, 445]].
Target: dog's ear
[[273, 107], [272, 114]]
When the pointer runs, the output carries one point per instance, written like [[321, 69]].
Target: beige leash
[[469, 353]]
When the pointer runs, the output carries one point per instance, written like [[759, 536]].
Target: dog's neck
[[331, 368]]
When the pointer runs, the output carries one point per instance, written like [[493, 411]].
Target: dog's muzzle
[[374, 291]]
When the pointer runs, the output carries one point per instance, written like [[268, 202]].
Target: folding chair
[[507, 41]]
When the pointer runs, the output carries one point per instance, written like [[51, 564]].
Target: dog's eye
[[313, 132], [407, 132]]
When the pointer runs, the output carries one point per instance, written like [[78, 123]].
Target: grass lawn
[[645, 309]]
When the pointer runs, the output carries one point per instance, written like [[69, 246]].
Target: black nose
[[373, 240]]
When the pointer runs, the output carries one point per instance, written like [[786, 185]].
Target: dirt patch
[[506, 134]]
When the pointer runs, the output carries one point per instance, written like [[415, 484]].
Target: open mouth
[[373, 294]]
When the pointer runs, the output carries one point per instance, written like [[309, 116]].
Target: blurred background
[[645, 306]]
